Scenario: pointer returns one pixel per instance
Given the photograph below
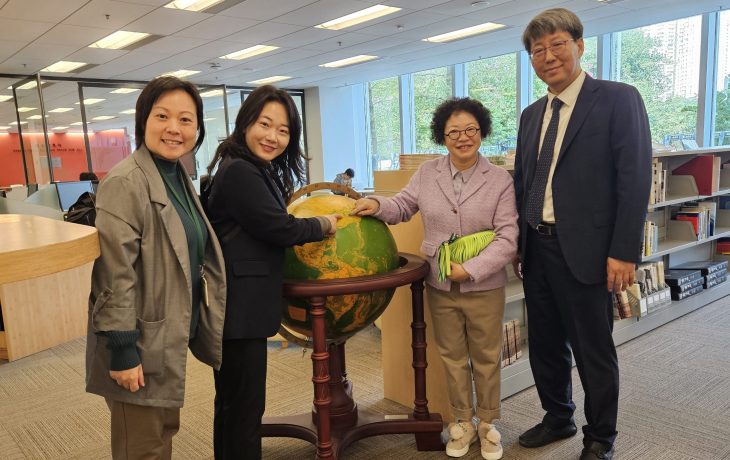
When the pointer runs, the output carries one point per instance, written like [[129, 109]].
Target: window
[[383, 123], [430, 88], [589, 63], [663, 62], [493, 81], [721, 132]]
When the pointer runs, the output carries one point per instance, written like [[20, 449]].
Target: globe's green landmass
[[362, 246]]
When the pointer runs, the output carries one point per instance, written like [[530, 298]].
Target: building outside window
[[663, 62]]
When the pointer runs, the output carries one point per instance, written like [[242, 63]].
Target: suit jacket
[[602, 177], [487, 202], [142, 281], [243, 195]]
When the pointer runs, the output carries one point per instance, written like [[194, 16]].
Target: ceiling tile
[[264, 10], [321, 11], [7, 49], [304, 37], [95, 55], [262, 33], [166, 21], [216, 27], [64, 34], [171, 45], [40, 10], [20, 30], [94, 14], [408, 22], [340, 42]]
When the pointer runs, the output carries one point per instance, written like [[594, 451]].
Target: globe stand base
[[336, 421]]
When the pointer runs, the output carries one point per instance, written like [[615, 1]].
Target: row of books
[[658, 192], [647, 294], [691, 278], [651, 238], [702, 216], [511, 342]]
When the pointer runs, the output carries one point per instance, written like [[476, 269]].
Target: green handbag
[[460, 249]]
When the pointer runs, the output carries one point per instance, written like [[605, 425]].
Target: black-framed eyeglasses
[[454, 134], [555, 49]]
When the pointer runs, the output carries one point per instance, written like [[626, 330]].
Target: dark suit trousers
[[240, 400], [564, 315]]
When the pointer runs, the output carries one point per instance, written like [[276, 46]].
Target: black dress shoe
[[595, 450], [542, 435]]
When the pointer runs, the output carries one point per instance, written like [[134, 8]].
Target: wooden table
[[45, 279]]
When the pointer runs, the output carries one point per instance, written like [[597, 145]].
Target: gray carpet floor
[[675, 401]]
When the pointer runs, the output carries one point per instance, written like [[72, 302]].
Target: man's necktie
[[536, 197]]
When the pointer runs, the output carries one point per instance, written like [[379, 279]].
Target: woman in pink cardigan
[[463, 193]]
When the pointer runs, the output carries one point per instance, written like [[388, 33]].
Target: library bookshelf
[[677, 244]]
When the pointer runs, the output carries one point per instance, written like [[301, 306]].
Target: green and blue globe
[[362, 246]]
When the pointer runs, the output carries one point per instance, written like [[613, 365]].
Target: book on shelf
[[715, 281], [688, 285], [723, 202], [701, 168], [650, 242], [704, 266], [716, 274], [685, 294], [723, 246], [511, 342], [676, 277], [658, 191]]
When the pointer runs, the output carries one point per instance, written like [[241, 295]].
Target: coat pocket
[[151, 346], [429, 249], [250, 268]]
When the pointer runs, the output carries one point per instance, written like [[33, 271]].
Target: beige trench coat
[[141, 281]]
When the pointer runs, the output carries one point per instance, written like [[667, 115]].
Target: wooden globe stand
[[335, 421]]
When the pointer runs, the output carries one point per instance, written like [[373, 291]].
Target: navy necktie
[[536, 198]]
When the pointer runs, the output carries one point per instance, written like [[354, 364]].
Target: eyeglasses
[[454, 134], [555, 49]]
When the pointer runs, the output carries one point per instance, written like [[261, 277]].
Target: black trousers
[[240, 400], [564, 315]]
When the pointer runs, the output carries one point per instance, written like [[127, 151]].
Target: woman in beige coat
[[159, 285]]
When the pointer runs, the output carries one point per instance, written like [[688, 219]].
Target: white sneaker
[[491, 441], [461, 436]]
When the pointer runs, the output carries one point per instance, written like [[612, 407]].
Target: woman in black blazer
[[258, 166]]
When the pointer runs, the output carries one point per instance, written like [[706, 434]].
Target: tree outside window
[[384, 132], [430, 88]]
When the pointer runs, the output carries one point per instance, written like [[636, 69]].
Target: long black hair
[[288, 168]]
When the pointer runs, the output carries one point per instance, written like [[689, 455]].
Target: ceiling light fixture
[[103, 117], [182, 73], [29, 85], [250, 52], [128, 112], [358, 17], [269, 80], [119, 40], [464, 33], [59, 127], [212, 92], [91, 101], [192, 5], [124, 90], [22, 123], [5, 98], [349, 61], [77, 123], [61, 110], [26, 109], [34, 117], [64, 66]]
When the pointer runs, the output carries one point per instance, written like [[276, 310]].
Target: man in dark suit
[[582, 178]]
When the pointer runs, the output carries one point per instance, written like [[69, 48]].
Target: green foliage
[[430, 88], [493, 82], [385, 133]]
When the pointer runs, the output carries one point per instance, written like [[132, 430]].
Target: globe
[[362, 246]]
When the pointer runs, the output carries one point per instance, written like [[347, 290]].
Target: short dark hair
[[549, 22], [152, 92], [350, 172], [88, 175], [287, 168], [459, 104]]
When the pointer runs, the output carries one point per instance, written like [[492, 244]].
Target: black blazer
[[242, 195], [602, 177]]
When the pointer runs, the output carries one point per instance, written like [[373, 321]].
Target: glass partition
[[30, 124], [13, 169], [215, 125]]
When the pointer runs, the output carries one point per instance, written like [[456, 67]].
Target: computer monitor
[[69, 192]]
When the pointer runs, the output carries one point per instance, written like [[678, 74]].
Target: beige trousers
[[142, 432], [467, 328]]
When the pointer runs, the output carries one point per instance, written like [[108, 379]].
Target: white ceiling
[[37, 33]]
